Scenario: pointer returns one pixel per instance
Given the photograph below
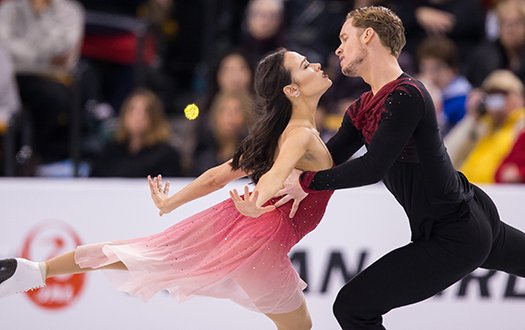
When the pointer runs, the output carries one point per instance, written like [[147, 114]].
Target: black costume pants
[[425, 267]]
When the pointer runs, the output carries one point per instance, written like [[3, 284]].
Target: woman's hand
[[248, 205], [159, 194]]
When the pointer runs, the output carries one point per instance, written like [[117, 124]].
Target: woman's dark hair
[[256, 153]]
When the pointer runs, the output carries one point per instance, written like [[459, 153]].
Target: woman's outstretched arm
[[212, 180], [291, 151]]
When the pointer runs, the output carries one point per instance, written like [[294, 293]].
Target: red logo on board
[[47, 240]]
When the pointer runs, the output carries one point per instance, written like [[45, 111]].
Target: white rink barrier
[[41, 218]]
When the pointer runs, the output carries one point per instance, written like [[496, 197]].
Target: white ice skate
[[19, 275]]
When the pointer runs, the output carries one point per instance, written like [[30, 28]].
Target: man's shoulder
[[408, 86], [410, 92]]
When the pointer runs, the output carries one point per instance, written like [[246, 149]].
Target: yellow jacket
[[483, 160]]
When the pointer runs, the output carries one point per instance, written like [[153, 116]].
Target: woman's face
[[234, 74], [136, 119], [309, 77]]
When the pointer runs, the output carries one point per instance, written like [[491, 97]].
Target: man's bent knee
[[353, 312]]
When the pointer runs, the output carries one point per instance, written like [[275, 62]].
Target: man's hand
[[292, 190], [248, 205]]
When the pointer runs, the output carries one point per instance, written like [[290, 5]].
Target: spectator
[[460, 20], [232, 72], [507, 51], [478, 143], [263, 28], [231, 113], [512, 169], [141, 143], [438, 60], [43, 38], [491, 19], [9, 99], [120, 52], [302, 22]]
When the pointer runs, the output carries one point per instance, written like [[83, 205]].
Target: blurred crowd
[[96, 88]]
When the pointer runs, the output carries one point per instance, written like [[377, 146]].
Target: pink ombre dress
[[218, 253]]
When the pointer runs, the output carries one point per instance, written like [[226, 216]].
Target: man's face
[[351, 52]]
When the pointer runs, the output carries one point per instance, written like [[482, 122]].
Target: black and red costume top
[[405, 150]]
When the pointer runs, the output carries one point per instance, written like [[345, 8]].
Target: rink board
[[42, 217]]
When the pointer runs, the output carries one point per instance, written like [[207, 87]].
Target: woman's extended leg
[[65, 264], [19, 274], [298, 319]]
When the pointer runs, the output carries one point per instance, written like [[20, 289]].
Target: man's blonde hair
[[384, 22]]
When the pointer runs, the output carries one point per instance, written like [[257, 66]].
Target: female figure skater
[[219, 252]]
